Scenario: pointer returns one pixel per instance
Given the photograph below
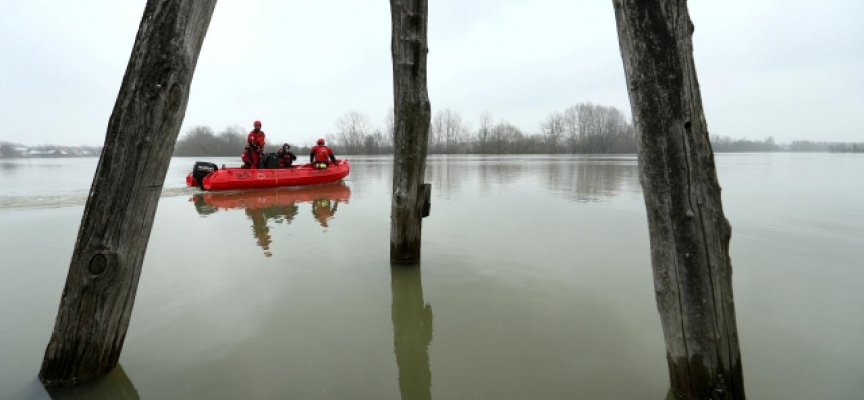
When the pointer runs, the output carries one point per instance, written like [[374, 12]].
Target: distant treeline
[[833, 147], [725, 144], [203, 141], [584, 128], [847, 148], [17, 150]]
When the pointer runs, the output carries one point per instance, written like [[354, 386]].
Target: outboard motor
[[201, 170]]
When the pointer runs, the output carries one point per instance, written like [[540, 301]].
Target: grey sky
[[786, 68]]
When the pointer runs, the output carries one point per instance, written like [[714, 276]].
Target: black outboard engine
[[201, 170]]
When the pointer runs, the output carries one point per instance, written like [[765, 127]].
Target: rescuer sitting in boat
[[286, 157], [254, 147], [321, 155]]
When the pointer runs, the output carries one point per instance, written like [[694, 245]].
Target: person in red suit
[[254, 147], [286, 157], [321, 155]]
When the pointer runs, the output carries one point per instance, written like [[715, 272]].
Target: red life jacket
[[322, 153], [256, 138]]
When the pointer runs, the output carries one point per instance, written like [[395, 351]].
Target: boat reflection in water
[[278, 204]]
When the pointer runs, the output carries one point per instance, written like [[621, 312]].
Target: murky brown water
[[535, 283]]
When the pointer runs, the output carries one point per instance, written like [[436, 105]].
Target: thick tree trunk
[[103, 275], [411, 130], [412, 332], [689, 232]]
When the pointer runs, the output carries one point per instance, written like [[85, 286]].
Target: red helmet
[[320, 141], [257, 123]]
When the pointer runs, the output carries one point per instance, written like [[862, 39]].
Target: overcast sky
[[791, 69]]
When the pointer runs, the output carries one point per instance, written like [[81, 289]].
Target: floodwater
[[535, 283]]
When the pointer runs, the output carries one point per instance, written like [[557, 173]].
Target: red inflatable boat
[[207, 176]]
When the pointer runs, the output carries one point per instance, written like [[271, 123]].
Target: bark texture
[[103, 275], [689, 232], [411, 129], [427, 200]]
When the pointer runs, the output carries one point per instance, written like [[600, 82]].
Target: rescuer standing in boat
[[254, 147], [321, 155]]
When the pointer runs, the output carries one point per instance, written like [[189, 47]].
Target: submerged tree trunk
[[689, 232], [115, 385], [411, 130], [103, 275]]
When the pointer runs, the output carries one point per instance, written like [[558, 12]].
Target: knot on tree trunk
[[98, 263]]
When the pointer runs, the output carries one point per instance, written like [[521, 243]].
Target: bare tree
[[198, 140], [202, 141], [352, 130], [484, 132], [436, 138], [591, 128], [390, 126], [505, 138], [448, 130], [377, 142], [553, 130], [6, 149], [571, 127]]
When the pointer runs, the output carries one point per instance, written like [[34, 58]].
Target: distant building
[[77, 151]]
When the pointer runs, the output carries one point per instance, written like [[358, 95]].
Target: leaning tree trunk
[[689, 233], [411, 130], [106, 264]]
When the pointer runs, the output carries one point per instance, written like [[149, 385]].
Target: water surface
[[535, 283]]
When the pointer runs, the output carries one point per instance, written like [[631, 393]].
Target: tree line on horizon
[[584, 128]]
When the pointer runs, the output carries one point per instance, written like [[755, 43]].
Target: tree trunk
[[103, 275], [411, 133], [689, 232]]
